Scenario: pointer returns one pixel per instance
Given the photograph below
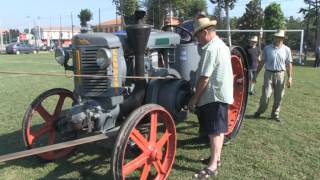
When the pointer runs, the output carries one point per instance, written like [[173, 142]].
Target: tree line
[[254, 17]]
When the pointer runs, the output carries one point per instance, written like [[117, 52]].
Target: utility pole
[[170, 9], [159, 24], [261, 28], [99, 22], [226, 6], [228, 23], [317, 7], [39, 33], [121, 14], [1, 38], [60, 34], [117, 23], [29, 29], [50, 36], [35, 31], [71, 25], [306, 43]]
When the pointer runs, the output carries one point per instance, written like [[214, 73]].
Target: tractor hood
[[97, 39]]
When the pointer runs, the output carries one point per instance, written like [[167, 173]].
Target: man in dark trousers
[[317, 62], [214, 90], [254, 57]]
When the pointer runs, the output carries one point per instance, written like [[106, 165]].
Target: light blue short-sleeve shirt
[[215, 63], [276, 58]]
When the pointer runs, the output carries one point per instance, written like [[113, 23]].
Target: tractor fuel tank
[[187, 60]]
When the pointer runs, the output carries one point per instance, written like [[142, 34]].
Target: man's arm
[[200, 87], [260, 66], [289, 73], [289, 68]]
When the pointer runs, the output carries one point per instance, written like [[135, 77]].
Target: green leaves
[[273, 19], [85, 16]]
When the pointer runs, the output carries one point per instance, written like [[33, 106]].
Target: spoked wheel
[[146, 145], [240, 93], [39, 122]]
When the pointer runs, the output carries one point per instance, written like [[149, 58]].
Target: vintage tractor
[[133, 85]]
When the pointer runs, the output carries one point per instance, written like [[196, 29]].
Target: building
[[58, 35], [110, 26], [2, 46]]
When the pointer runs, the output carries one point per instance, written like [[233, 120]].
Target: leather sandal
[[205, 173]]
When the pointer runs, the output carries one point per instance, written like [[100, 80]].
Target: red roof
[[111, 22]]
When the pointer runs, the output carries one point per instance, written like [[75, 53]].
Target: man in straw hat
[[254, 58], [277, 59], [214, 90]]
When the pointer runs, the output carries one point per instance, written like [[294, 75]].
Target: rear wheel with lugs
[[237, 110], [146, 145], [39, 122]]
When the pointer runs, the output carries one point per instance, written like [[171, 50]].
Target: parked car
[[17, 48]]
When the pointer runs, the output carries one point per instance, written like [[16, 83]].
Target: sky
[[22, 14]]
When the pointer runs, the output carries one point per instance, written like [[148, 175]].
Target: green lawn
[[263, 149]]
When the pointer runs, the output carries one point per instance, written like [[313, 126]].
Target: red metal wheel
[[146, 145], [240, 92], [40, 119]]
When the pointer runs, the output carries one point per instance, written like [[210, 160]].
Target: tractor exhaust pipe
[[138, 36]]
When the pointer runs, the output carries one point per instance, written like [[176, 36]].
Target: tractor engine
[[100, 57]]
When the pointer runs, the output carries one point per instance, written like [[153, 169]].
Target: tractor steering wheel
[[186, 36]]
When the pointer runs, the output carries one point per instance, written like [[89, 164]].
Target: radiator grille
[[92, 86]]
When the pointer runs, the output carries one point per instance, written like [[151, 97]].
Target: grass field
[[262, 150]]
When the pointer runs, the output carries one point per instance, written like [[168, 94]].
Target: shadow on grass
[[251, 117], [90, 161]]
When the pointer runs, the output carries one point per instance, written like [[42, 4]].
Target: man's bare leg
[[216, 142]]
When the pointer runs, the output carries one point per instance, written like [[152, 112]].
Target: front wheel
[[39, 122], [146, 145]]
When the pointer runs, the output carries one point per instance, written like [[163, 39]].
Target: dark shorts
[[214, 117]]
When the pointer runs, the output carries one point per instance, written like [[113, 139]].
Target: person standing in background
[[277, 59], [317, 61], [254, 57]]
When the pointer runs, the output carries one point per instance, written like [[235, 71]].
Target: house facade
[[110, 26], [58, 35]]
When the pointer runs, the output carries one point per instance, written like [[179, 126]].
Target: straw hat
[[254, 39], [279, 33], [202, 23]]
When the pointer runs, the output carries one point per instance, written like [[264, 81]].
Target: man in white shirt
[[214, 90]]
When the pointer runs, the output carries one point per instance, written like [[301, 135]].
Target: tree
[[11, 36], [251, 19], [193, 7], [218, 15], [126, 9], [294, 40], [159, 10], [226, 5], [273, 19], [85, 16], [311, 16]]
